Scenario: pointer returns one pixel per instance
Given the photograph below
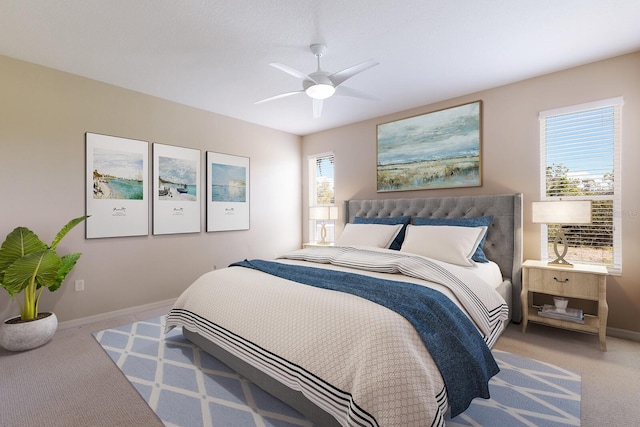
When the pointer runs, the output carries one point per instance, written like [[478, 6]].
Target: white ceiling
[[214, 54]]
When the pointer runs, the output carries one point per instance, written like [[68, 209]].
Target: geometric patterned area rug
[[526, 392], [186, 387]]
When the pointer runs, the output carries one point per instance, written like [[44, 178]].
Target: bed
[[335, 332]]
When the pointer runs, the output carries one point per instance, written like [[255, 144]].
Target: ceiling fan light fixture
[[320, 91], [320, 84]]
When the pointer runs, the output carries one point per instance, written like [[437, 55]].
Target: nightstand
[[587, 282], [312, 244]]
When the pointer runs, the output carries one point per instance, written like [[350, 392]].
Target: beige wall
[[510, 157], [44, 115]]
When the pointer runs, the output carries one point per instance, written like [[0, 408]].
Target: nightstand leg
[[603, 313], [603, 342], [524, 301]]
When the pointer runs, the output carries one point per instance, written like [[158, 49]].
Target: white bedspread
[[361, 362]]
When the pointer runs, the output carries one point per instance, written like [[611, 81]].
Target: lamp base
[[560, 262], [323, 234], [561, 239]]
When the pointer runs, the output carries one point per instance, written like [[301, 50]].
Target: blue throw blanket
[[456, 346]]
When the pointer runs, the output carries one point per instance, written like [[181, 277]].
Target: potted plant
[[27, 266]]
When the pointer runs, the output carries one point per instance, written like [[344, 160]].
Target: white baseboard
[[624, 334], [112, 314]]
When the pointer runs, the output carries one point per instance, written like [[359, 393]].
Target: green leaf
[[67, 228], [43, 266], [67, 264], [18, 243]]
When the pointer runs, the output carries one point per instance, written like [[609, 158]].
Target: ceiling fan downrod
[[322, 87]]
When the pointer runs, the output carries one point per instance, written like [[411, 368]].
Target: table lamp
[[323, 213], [561, 212]]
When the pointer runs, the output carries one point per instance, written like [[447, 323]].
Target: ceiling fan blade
[[347, 73], [293, 72], [317, 108], [347, 91], [282, 95]]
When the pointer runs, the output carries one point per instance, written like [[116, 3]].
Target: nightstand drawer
[[564, 283]]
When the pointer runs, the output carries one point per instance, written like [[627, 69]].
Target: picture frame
[[117, 178], [176, 189], [228, 192], [439, 149]]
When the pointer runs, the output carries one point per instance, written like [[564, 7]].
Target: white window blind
[[321, 191], [580, 160]]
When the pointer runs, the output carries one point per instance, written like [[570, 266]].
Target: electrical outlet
[[79, 285]]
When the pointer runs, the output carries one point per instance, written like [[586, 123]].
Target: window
[[321, 192], [580, 160]]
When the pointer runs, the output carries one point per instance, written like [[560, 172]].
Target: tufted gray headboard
[[504, 238]]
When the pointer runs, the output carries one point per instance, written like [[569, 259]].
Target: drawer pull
[[561, 281]]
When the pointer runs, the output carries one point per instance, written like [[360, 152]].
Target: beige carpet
[[72, 382], [610, 380]]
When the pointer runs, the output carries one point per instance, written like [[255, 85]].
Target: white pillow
[[452, 244], [377, 235]]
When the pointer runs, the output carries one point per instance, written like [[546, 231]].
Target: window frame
[[617, 103], [315, 225]]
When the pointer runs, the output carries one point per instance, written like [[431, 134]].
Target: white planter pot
[[28, 335]]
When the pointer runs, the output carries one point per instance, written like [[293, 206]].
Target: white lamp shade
[[323, 212], [562, 212]]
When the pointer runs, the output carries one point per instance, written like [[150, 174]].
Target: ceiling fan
[[320, 84]]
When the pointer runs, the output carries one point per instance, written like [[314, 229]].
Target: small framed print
[[117, 175], [227, 192], [176, 189]]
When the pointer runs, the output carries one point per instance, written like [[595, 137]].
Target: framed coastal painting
[[441, 149], [117, 175], [176, 189], [227, 192]]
